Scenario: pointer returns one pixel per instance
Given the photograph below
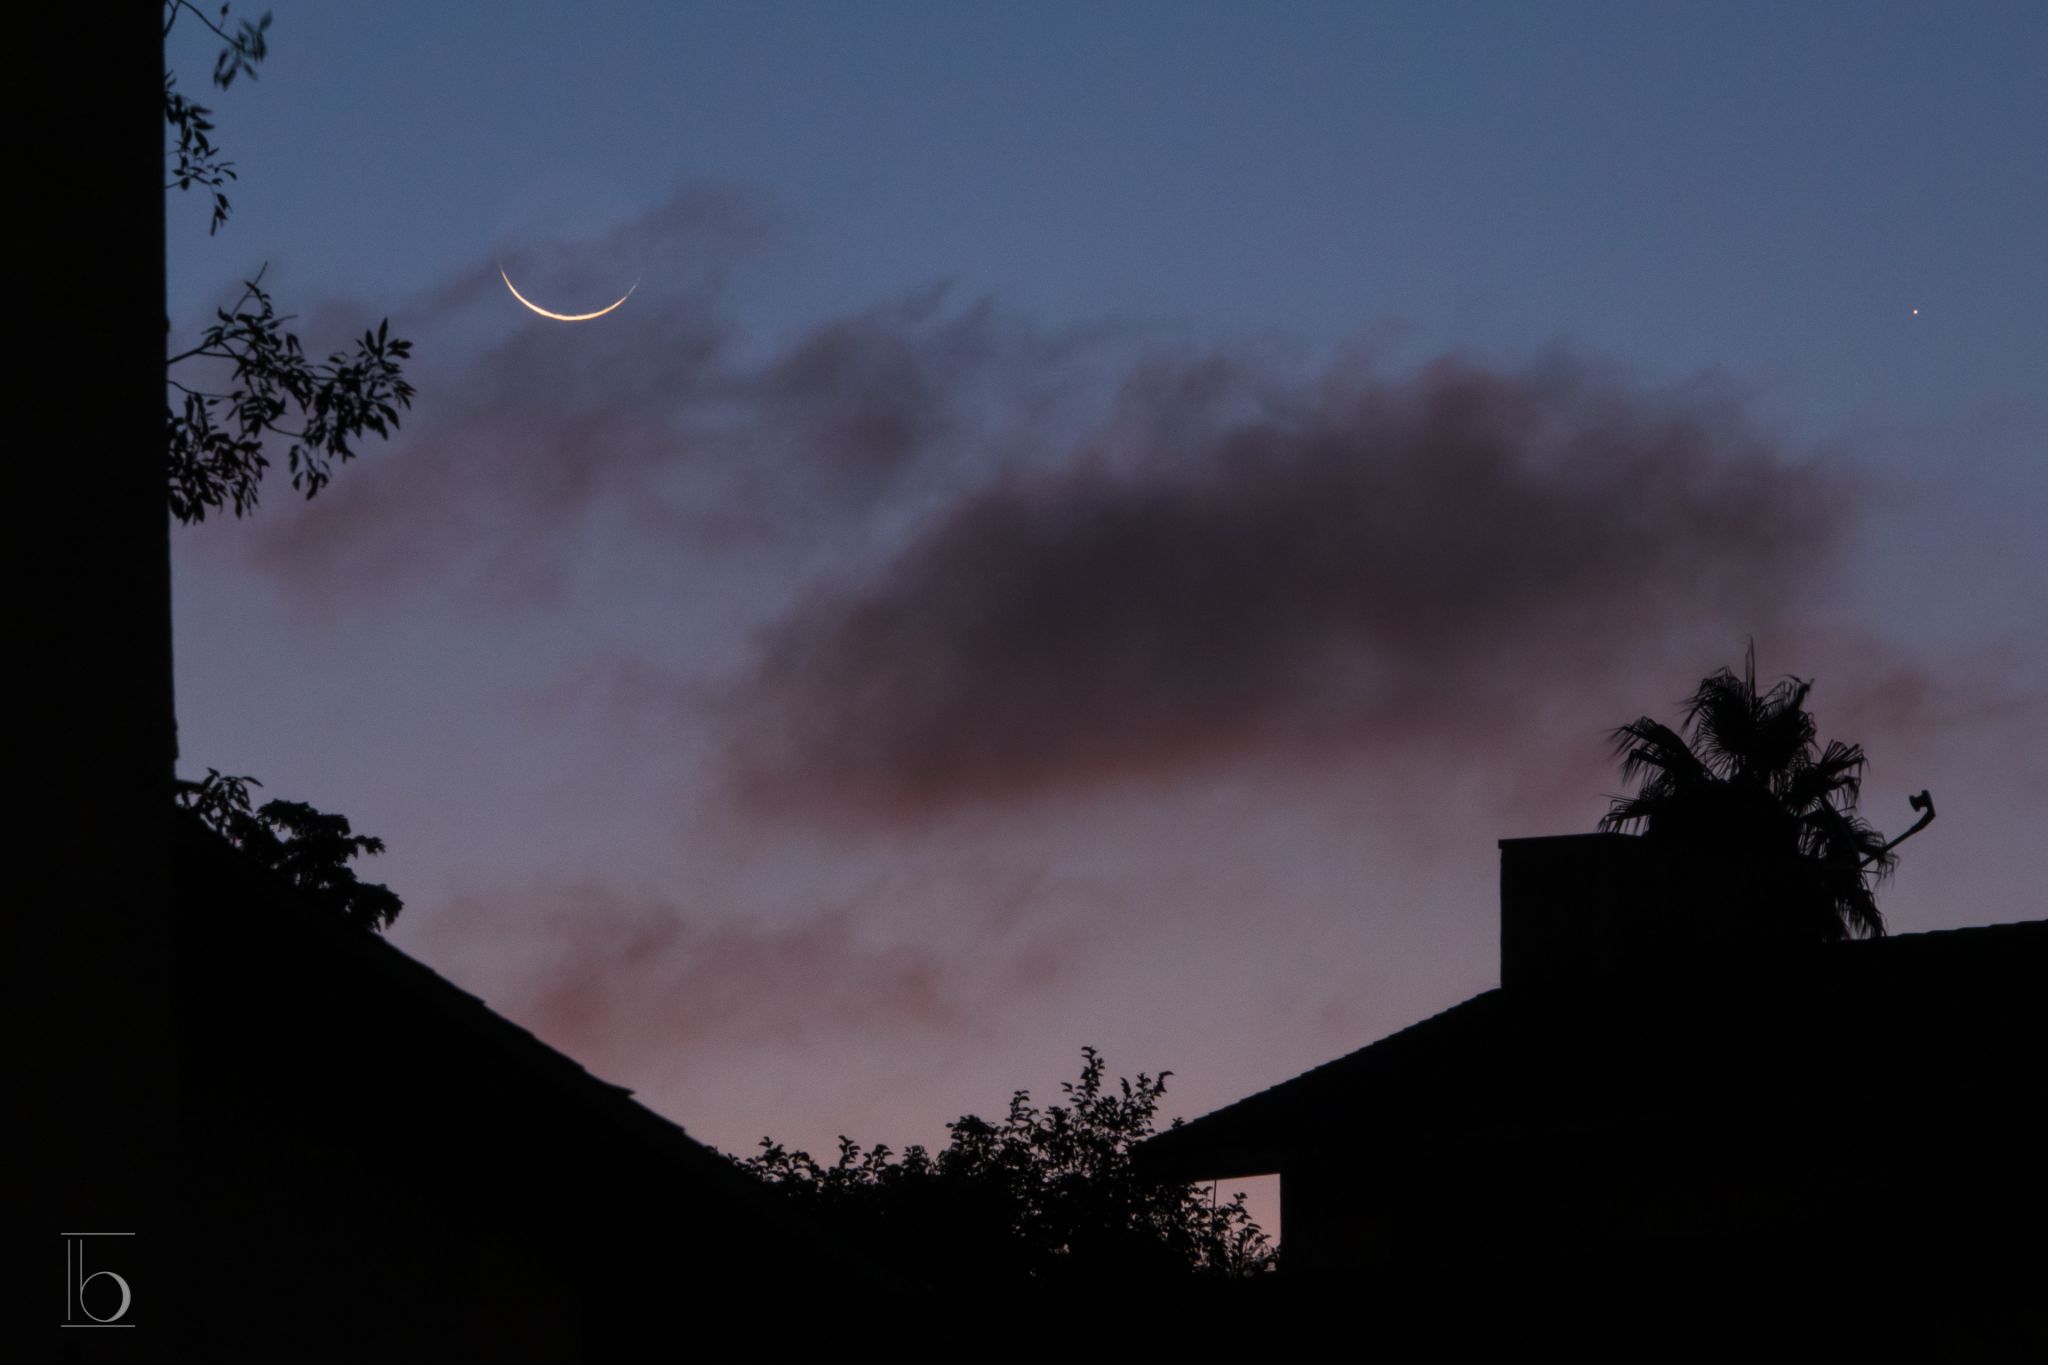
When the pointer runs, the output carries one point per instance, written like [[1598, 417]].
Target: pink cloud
[[612, 979]]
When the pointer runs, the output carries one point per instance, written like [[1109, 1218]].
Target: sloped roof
[[330, 1038], [1948, 1010]]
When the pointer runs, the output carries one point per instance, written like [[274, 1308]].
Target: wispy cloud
[[616, 979], [662, 423]]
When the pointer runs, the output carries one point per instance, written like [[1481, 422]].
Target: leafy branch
[[217, 439], [197, 160], [308, 848]]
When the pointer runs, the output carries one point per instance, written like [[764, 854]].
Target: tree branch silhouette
[[218, 438], [198, 160], [217, 441]]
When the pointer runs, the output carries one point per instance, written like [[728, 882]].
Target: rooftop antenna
[[1924, 803]]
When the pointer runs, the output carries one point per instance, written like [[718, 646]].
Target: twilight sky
[[1096, 517]]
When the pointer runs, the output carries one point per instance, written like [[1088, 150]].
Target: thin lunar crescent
[[563, 317]]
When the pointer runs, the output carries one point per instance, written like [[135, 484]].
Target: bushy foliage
[[1042, 1195], [308, 848]]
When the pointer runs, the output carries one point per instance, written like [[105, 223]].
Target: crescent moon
[[563, 317]]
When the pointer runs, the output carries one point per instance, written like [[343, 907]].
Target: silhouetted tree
[[265, 390], [308, 848], [1044, 1195], [1757, 806]]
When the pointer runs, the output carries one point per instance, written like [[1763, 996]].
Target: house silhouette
[[1654, 1122]]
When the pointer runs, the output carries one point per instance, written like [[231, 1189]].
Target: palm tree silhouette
[[1761, 817]]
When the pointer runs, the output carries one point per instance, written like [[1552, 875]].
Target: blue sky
[[510, 642], [1685, 186]]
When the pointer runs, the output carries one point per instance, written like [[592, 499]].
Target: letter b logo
[[94, 1298]]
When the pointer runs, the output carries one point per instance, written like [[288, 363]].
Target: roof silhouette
[[402, 1149], [1923, 999], [1660, 1138]]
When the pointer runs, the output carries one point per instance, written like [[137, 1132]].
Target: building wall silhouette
[[1650, 1107]]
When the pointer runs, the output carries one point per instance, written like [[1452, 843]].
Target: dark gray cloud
[[1242, 564], [1021, 587]]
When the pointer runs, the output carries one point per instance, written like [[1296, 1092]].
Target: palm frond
[[1840, 838], [1626, 812], [1858, 914], [1784, 732], [1651, 749], [1745, 772], [1835, 778], [1721, 718]]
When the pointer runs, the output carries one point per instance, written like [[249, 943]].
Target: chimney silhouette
[[1578, 907]]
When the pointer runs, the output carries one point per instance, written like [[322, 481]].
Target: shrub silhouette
[[1042, 1195]]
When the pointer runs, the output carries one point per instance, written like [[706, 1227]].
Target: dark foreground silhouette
[[1046, 1197], [1653, 1127]]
